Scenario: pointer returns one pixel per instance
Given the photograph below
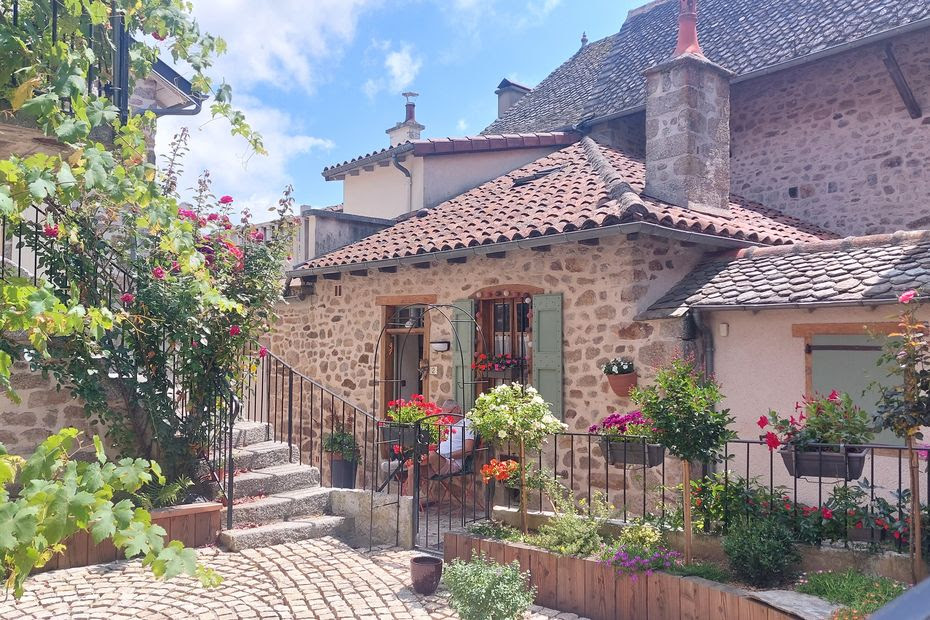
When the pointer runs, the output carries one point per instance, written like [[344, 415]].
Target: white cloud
[[462, 125], [401, 65], [255, 182], [285, 43]]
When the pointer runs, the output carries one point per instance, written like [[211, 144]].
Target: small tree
[[682, 407], [60, 496], [905, 408], [513, 412]]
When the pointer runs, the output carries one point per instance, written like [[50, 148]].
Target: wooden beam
[[592, 242], [496, 254], [458, 260], [332, 276], [308, 279], [404, 300], [900, 82], [804, 330], [541, 248], [359, 272], [421, 265], [391, 269]]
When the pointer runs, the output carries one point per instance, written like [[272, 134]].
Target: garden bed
[[195, 525], [590, 588]]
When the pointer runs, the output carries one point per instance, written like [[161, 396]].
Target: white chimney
[[409, 129], [688, 125], [508, 93]]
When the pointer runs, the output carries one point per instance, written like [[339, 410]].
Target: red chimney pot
[[687, 29], [410, 116]]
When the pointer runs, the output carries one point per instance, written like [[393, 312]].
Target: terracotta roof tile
[[582, 186], [874, 269]]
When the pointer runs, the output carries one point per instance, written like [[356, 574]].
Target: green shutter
[[463, 353], [547, 349]]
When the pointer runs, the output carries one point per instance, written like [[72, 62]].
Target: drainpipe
[[702, 334], [406, 173]]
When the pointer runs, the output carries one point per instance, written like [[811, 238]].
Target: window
[[505, 323], [848, 363]]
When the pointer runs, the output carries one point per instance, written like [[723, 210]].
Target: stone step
[[281, 506], [263, 454], [277, 479], [303, 528], [246, 433]]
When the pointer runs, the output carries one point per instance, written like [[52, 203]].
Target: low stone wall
[[389, 523], [708, 548]]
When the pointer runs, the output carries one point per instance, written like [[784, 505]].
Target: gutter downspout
[[705, 336], [406, 173]]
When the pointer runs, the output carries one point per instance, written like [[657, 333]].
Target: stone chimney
[[688, 125], [508, 93], [409, 129]]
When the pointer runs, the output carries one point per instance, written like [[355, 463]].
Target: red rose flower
[[127, 298], [225, 200], [907, 296], [158, 273], [262, 352], [234, 330], [50, 231], [397, 449], [834, 396], [258, 235], [826, 513]]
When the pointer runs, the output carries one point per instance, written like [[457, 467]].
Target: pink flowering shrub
[[633, 424], [833, 419]]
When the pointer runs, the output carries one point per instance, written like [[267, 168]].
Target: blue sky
[[321, 79]]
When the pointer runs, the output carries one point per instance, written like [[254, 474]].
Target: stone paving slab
[[322, 578]]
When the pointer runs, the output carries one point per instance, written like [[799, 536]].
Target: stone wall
[[332, 338], [44, 410], [832, 142]]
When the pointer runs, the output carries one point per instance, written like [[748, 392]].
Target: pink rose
[[258, 235], [213, 217], [834, 397], [50, 231], [907, 296], [234, 330], [225, 200], [263, 352], [158, 273], [127, 298]]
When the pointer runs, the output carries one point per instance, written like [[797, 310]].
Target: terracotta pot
[[425, 571], [813, 464], [622, 384]]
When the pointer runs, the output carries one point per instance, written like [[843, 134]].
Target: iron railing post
[[290, 415]]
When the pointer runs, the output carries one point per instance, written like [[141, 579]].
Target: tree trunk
[[686, 500], [916, 540], [522, 488]]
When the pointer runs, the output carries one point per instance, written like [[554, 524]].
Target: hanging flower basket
[[622, 384], [625, 452], [846, 465]]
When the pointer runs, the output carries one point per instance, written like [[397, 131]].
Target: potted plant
[[514, 412], [629, 439], [621, 376], [505, 471], [343, 457], [682, 406], [402, 416], [822, 441]]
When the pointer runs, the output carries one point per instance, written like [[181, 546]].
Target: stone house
[[738, 200]]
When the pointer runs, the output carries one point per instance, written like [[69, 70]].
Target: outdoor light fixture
[[439, 346]]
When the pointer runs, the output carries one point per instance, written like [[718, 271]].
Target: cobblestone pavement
[[321, 578]]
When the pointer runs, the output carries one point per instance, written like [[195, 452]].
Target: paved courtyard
[[321, 578]]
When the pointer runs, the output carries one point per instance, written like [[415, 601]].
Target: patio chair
[[456, 481]]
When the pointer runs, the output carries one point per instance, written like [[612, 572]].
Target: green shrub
[[484, 590], [573, 530], [495, 530], [641, 535], [705, 570], [761, 552]]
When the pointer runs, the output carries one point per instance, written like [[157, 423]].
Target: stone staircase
[[276, 501]]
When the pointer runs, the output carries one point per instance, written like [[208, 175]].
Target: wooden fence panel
[[600, 582]]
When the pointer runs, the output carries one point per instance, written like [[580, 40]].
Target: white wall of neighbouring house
[[384, 191], [447, 176], [761, 365]]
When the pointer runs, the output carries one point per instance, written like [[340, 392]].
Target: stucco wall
[[832, 142], [761, 366], [332, 339], [383, 191]]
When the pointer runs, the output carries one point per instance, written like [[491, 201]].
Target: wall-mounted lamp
[[439, 346]]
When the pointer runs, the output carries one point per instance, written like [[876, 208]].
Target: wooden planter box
[[589, 588], [808, 464], [195, 525], [635, 452]]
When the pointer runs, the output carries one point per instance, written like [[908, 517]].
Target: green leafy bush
[[642, 535], [573, 530], [705, 570], [495, 530], [761, 552], [342, 442], [485, 590], [161, 494], [59, 496]]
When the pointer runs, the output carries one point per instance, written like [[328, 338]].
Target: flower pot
[[425, 571], [403, 435], [622, 384], [633, 452], [342, 472], [804, 463]]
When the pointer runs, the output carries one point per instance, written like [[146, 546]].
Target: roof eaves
[[681, 310], [330, 172]]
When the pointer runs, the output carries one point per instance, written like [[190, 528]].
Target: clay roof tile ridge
[[617, 187]]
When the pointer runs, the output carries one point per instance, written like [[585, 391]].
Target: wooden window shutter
[[463, 353], [547, 349]]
